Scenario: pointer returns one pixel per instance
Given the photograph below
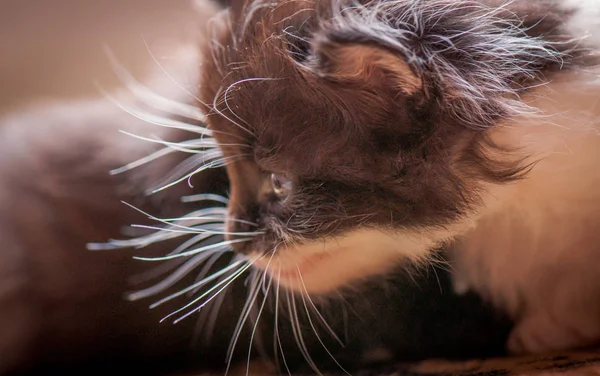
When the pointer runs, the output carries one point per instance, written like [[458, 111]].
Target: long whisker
[[202, 229], [277, 339], [297, 331], [204, 271], [206, 215], [308, 316], [148, 96], [226, 94], [234, 266], [205, 197], [219, 287], [216, 109], [142, 161], [154, 118], [331, 331], [250, 299], [207, 220], [206, 145], [191, 242], [216, 294], [260, 310], [196, 220], [143, 241], [212, 318], [174, 277], [155, 272], [160, 66], [220, 162], [194, 251]]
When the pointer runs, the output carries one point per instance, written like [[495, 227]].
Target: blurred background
[[53, 49]]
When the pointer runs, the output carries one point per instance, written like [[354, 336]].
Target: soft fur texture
[[63, 308], [406, 126]]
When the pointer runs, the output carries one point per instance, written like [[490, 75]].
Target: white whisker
[[155, 119], [198, 229], [189, 243], [205, 197], [216, 109], [250, 299], [142, 241], [249, 12], [208, 265], [184, 147], [220, 286], [260, 310], [209, 220], [331, 331], [213, 164], [315, 330], [160, 66], [216, 294], [277, 339], [194, 251], [212, 277], [174, 277], [207, 145], [212, 317], [142, 161], [226, 94], [297, 331], [155, 272], [148, 96]]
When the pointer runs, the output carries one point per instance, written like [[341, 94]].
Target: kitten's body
[[535, 254]]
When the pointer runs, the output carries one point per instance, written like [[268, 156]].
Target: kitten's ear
[[368, 64]]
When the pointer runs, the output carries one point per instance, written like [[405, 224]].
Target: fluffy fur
[[466, 122]]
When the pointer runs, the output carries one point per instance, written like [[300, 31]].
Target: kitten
[[358, 138], [364, 135], [62, 307]]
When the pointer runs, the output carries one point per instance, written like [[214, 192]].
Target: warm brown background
[[54, 48]]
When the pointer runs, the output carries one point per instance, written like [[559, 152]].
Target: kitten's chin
[[325, 266]]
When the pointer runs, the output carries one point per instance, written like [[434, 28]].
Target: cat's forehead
[[272, 13], [260, 88], [300, 129], [320, 84]]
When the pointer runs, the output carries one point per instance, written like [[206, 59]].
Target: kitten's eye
[[282, 185]]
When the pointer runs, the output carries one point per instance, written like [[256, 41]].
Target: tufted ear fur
[[472, 77], [366, 64]]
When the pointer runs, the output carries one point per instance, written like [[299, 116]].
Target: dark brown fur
[[358, 146]]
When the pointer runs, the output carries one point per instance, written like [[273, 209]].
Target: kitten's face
[[356, 142]]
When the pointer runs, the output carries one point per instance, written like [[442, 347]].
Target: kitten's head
[[356, 133]]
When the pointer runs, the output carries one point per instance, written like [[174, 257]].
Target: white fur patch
[[324, 266], [586, 20], [537, 254]]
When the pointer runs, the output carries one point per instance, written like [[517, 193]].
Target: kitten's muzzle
[[237, 226]]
